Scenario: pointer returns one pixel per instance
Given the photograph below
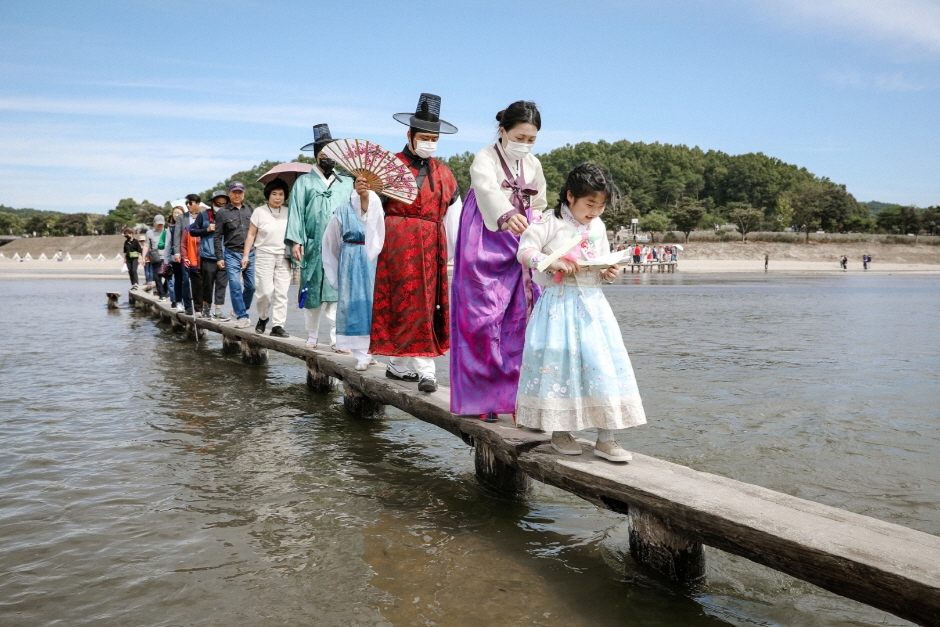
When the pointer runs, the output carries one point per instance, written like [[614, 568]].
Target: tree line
[[666, 187]]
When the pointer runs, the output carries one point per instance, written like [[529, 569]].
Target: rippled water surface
[[146, 480]]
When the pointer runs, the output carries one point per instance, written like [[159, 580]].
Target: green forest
[[667, 187]]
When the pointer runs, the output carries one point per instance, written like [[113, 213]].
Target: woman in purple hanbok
[[492, 293]]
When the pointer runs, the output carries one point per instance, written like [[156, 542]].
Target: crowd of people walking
[[527, 325]]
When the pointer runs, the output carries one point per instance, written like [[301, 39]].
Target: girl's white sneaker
[[612, 451], [565, 444]]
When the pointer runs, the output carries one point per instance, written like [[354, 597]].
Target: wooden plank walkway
[[673, 510]]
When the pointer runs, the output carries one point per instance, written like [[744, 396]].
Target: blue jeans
[[241, 296], [182, 292]]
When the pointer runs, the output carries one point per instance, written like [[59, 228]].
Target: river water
[[145, 480]]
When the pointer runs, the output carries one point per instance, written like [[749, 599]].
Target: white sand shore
[[802, 267]]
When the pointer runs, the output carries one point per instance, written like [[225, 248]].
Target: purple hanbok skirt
[[489, 308]]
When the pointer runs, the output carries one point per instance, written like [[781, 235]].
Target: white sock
[[605, 435], [313, 338]]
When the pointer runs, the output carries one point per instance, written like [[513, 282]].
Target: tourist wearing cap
[[214, 278], [272, 268], [155, 253], [493, 294], [410, 313], [313, 200], [231, 229]]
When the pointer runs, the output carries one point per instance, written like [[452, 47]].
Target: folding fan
[[384, 171]]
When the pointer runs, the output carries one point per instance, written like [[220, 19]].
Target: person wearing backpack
[[214, 278]]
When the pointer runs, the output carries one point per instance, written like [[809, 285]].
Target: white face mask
[[425, 149], [517, 150]]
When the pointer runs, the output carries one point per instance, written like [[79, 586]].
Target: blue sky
[[101, 101]]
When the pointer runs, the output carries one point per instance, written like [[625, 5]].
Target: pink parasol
[[287, 172]]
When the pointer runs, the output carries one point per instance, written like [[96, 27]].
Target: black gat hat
[[321, 137], [427, 116]]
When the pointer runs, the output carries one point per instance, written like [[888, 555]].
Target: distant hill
[[875, 207], [26, 214]]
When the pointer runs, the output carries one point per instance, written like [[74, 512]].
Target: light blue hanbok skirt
[[576, 373]]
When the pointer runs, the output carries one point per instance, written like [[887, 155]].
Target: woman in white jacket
[[492, 294]]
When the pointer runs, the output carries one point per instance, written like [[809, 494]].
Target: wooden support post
[[316, 380], [254, 355], [496, 473], [193, 332], [177, 324], [654, 544], [358, 404], [155, 310], [230, 345], [113, 299]]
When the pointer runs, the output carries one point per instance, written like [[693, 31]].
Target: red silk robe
[[410, 310]]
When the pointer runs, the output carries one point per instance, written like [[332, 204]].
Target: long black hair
[[586, 179], [519, 112]]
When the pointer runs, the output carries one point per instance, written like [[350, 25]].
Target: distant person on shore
[[155, 253], [272, 268], [637, 251], [576, 373], [59, 256], [865, 260], [766, 262], [214, 278], [232, 223], [132, 252], [844, 262]]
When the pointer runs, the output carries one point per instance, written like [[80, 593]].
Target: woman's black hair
[[519, 112], [273, 185], [586, 179]]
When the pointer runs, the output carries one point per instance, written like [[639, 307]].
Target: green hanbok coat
[[312, 203]]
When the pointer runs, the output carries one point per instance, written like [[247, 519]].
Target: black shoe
[[279, 332], [262, 322], [206, 312], [391, 373], [189, 311], [427, 384]]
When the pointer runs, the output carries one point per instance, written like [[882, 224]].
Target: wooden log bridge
[[660, 266], [673, 510]]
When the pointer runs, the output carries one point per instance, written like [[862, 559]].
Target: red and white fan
[[384, 171]]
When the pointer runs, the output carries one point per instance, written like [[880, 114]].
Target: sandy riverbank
[[113, 269]]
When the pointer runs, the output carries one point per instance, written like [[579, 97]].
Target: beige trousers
[[312, 321], [272, 281]]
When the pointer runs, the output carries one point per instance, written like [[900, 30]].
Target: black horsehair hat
[[427, 116], [321, 137]]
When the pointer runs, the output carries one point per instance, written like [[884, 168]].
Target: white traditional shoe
[[565, 444], [612, 451], [311, 342], [362, 367]]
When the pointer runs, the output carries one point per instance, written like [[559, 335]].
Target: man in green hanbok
[[313, 199]]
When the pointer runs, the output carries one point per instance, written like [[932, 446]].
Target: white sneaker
[[362, 367], [612, 451], [565, 444], [243, 323]]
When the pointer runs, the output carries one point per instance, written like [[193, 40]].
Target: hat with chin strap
[[427, 116], [321, 137]]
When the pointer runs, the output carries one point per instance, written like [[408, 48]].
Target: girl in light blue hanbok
[[351, 244], [576, 373]]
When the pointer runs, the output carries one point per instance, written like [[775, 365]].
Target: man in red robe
[[410, 311]]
